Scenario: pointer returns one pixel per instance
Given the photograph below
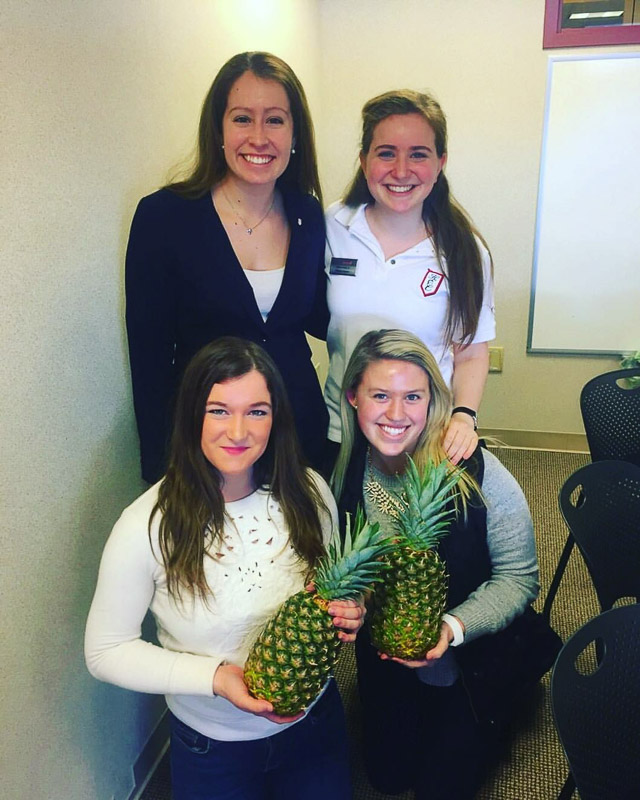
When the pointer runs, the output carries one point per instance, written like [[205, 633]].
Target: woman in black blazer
[[237, 248]]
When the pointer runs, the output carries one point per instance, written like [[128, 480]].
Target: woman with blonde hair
[[430, 724], [401, 252]]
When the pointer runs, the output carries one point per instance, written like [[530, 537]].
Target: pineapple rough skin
[[297, 650], [408, 607], [294, 655]]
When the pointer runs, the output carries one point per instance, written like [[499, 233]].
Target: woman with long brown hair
[[231, 532], [403, 254], [234, 249]]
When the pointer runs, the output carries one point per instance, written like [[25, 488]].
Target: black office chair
[[598, 714], [601, 506], [611, 416]]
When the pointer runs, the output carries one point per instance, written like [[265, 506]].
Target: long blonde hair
[[398, 345]]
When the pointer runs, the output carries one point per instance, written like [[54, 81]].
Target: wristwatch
[[464, 410]]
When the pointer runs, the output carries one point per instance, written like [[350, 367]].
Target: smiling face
[[402, 164], [392, 403], [236, 428], [257, 130]]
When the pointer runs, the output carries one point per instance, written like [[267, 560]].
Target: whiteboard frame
[[531, 348]]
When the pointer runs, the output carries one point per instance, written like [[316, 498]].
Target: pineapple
[[408, 607], [296, 651]]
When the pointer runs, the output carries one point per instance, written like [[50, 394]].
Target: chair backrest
[[611, 416], [598, 714], [601, 505]]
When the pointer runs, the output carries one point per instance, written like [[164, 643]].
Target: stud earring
[[222, 146], [293, 150]]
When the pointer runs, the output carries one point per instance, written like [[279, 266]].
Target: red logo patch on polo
[[431, 282]]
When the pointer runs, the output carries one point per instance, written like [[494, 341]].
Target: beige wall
[[485, 63], [99, 100]]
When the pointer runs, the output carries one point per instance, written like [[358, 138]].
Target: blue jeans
[[307, 760]]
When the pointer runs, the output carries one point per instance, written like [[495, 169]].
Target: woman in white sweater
[[212, 550]]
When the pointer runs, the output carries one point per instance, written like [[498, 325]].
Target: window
[[580, 23]]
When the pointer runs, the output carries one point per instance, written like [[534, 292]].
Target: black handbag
[[500, 670]]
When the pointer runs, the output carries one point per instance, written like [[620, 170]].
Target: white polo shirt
[[366, 292]]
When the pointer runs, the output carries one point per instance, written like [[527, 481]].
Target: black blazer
[[185, 287]]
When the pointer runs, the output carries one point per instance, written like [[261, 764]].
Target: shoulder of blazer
[[167, 204]]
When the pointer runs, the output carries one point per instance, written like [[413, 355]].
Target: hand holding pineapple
[[431, 656], [297, 650], [348, 616], [407, 617], [228, 682]]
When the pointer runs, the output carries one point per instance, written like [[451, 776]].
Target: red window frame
[[554, 36]]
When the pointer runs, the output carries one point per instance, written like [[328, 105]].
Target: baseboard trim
[[150, 757], [537, 440]]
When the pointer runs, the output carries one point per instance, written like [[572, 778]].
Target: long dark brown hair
[[454, 234], [190, 499], [210, 166]]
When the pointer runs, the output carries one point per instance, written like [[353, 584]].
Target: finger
[[257, 706], [448, 439], [281, 720], [454, 453], [347, 625], [343, 606], [442, 645], [357, 612], [471, 446]]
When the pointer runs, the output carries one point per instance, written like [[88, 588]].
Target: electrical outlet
[[496, 359]]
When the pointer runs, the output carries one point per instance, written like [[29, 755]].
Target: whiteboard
[[585, 292]]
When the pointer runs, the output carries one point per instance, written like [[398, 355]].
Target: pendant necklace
[[382, 498], [247, 228]]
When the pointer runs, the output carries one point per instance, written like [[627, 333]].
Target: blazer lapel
[[228, 271]]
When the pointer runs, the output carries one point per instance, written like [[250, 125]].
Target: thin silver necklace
[[248, 229]]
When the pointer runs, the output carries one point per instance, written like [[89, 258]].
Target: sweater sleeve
[[114, 649], [514, 580], [151, 331]]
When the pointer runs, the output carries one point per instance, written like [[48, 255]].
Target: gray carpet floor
[[534, 766]]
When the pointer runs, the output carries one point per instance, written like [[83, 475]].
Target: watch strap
[[465, 410]]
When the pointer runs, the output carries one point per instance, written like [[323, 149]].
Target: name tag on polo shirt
[[343, 266]]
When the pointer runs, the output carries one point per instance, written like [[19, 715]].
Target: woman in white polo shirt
[[401, 253]]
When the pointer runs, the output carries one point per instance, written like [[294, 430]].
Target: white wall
[[485, 64], [99, 101]]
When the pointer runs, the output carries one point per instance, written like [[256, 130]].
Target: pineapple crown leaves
[[424, 521], [349, 568]]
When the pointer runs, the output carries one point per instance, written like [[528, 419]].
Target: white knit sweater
[[250, 574]]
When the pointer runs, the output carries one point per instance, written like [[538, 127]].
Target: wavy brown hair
[[210, 166], [190, 501], [453, 233]]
